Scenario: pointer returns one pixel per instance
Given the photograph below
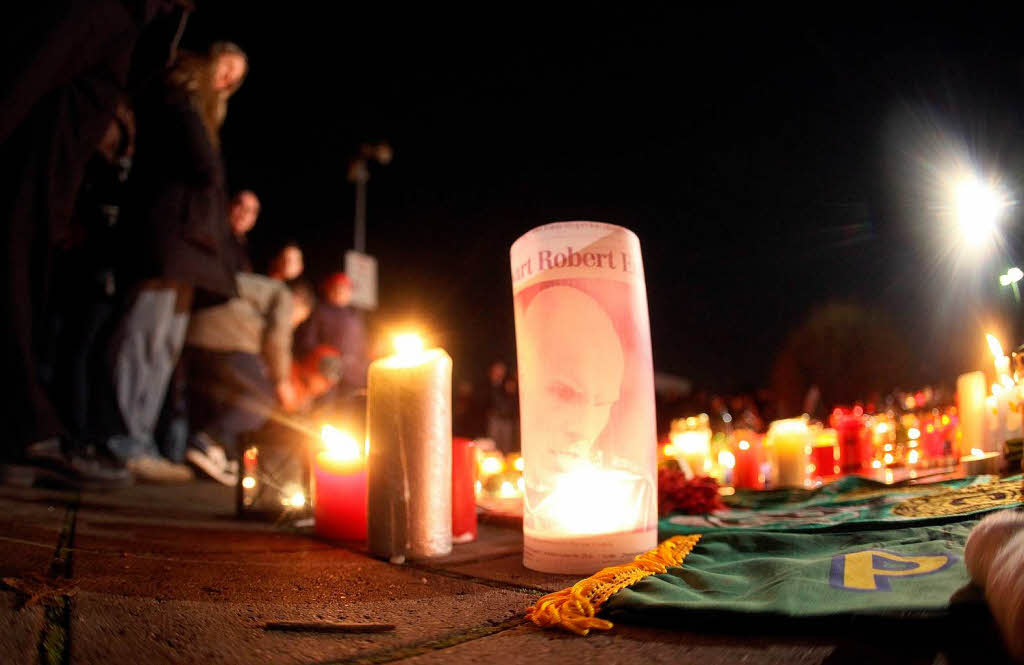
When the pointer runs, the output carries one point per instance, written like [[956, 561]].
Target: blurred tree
[[851, 353]]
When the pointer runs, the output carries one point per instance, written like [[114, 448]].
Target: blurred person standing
[[243, 212], [287, 264], [501, 408], [177, 244], [64, 67]]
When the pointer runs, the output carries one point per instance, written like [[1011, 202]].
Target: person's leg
[[143, 355], [229, 394], [242, 392]]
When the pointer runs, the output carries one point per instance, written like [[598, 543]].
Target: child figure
[[337, 324]]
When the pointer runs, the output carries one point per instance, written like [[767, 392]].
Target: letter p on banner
[[873, 570]]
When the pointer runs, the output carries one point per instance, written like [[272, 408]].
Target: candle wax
[[339, 498]]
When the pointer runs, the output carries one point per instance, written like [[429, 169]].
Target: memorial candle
[[691, 444], [790, 442], [339, 487], [749, 453], [463, 490], [409, 420], [586, 394], [970, 400]]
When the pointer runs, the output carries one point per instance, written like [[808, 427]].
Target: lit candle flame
[[408, 345], [994, 346], [339, 445]]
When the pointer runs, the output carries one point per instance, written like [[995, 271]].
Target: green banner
[[853, 503], [854, 547]]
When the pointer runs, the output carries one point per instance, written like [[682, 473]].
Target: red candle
[[749, 454], [854, 442], [339, 488], [463, 490]]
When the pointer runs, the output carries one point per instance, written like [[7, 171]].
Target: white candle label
[[586, 395]]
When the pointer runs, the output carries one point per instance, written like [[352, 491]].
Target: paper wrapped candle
[[586, 397], [790, 444], [970, 401], [409, 420], [339, 487], [463, 490]]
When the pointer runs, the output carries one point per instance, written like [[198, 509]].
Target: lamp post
[[359, 175]]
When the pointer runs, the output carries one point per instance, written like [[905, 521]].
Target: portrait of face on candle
[[586, 383]]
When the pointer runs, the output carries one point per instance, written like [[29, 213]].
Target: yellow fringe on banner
[[574, 608]]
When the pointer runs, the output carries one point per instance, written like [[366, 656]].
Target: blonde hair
[[193, 74]]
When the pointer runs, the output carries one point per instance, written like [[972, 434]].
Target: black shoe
[[47, 464]]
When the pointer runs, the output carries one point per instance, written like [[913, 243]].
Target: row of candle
[[798, 453]]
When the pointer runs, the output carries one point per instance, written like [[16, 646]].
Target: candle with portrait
[[586, 397]]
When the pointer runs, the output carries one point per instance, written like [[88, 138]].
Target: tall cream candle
[[790, 442], [971, 389], [409, 425]]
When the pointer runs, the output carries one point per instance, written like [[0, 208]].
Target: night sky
[[768, 164]]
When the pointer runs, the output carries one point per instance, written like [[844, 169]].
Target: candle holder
[[586, 397], [273, 479]]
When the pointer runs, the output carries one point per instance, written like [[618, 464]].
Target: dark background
[[769, 164]]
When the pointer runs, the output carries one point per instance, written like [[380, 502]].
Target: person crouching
[[238, 359]]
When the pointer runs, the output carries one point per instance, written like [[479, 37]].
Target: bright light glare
[[491, 465], [339, 445], [1015, 275], [726, 459], [248, 482], [408, 344], [978, 207]]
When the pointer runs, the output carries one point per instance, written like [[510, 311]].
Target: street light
[[978, 208], [1012, 276]]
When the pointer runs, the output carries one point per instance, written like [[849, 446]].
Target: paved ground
[[166, 575]]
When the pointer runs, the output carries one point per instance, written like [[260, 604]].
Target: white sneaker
[[159, 470], [213, 461]]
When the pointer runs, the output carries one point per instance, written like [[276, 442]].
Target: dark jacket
[[176, 216], [342, 328]]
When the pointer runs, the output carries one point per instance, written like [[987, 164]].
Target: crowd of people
[[141, 342]]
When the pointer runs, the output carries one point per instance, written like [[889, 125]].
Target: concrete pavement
[[167, 575]]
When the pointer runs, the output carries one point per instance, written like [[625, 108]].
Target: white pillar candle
[[586, 388], [409, 425], [790, 443], [970, 399]]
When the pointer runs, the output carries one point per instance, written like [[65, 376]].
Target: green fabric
[[849, 503], [802, 574], [854, 547]]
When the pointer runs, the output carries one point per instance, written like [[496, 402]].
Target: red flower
[[677, 494]]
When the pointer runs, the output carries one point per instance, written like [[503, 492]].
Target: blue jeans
[[229, 393]]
